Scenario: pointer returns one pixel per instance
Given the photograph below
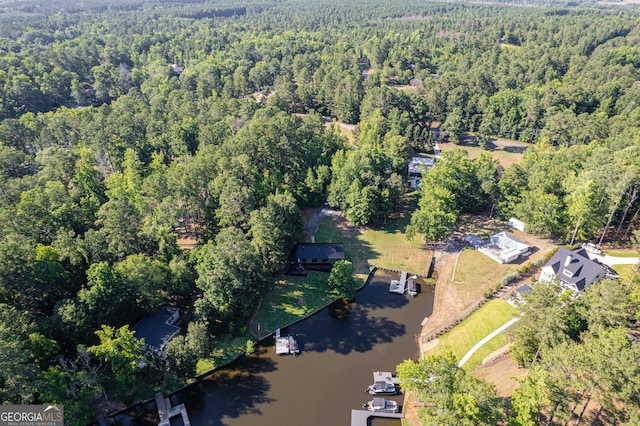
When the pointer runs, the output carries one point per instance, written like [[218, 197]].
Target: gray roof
[[155, 330], [318, 251], [416, 162], [582, 271], [474, 240]]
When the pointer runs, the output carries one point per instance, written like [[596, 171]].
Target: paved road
[[612, 260], [478, 345]]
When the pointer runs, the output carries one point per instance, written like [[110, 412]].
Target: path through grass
[[469, 332]]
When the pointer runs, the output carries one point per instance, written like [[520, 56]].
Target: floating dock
[[399, 287], [361, 417], [286, 344], [385, 376], [166, 412]]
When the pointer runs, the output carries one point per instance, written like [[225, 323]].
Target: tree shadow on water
[[230, 392], [360, 332], [375, 295]]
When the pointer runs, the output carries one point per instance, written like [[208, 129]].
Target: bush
[[525, 268], [510, 277], [250, 347]]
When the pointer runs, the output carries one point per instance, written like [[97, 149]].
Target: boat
[[380, 388], [381, 405], [413, 288]]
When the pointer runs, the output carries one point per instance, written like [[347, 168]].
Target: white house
[[416, 166], [574, 269], [504, 247]]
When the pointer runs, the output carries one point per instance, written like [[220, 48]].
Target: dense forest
[[126, 125]]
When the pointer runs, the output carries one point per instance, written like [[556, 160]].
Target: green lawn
[[622, 253], [625, 272], [504, 157], [291, 299], [383, 245], [225, 351], [471, 266], [469, 332]]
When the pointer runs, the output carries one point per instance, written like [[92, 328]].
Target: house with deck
[[504, 247], [573, 268]]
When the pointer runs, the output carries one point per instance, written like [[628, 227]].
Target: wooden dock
[[166, 412], [360, 417]]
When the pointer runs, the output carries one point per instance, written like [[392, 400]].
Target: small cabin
[[316, 255]]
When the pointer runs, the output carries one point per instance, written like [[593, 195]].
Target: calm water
[[340, 348]]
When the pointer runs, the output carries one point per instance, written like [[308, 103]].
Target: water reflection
[[326, 381]]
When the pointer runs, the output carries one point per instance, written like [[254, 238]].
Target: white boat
[[380, 388], [413, 288], [381, 405]]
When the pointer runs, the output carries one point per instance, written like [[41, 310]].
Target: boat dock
[[399, 287], [361, 417], [385, 376], [166, 412], [286, 344]]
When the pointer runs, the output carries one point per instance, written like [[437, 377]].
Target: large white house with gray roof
[[574, 269]]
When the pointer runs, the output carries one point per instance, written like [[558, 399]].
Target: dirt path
[[447, 303], [312, 217]]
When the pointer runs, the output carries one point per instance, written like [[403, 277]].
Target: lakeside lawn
[[291, 299], [470, 331], [472, 266], [383, 245]]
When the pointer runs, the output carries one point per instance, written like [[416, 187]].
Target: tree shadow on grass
[[357, 251]]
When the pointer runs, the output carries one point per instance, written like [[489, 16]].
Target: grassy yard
[[291, 299], [622, 253], [469, 332], [384, 245], [226, 350], [472, 266], [504, 156], [625, 272]]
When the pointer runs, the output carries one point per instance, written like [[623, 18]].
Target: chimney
[[567, 261]]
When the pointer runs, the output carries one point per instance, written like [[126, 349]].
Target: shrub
[[510, 277], [250, 347]]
